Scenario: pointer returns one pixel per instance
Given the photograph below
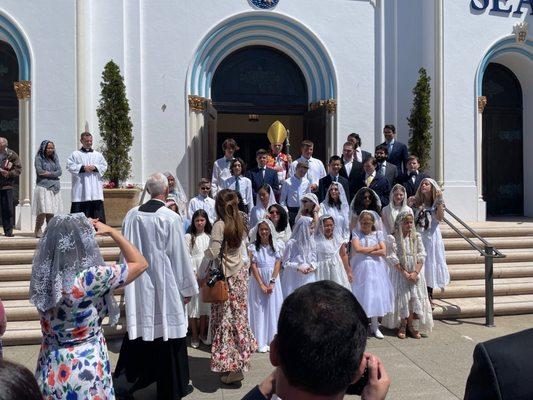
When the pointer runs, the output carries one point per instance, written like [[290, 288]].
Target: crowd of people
[[270, 231]]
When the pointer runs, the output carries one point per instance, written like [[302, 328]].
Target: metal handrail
[[489, 252]]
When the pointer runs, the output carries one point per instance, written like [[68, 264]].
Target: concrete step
[[489, 231], [29, 332], [477, 271], [475, 306], [15, 257], [28, 242], [474, 257], [23, 310], [19, 290], [476, 288], [498, 242]]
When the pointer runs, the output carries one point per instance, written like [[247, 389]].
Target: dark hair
[[391, 127], [226, 206], [261, 152], [258, 240], [348, 144], [17, 382], [337, 204], [204, 181], [357, 138], [192, 229], [264, 187], [243, 165], [371, 159], [307, 143], [358, 201], [382, 147], [321, 338], [334, 158], [230, 144], [413, 157], [283, 218]]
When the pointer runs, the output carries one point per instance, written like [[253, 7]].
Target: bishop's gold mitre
[[277, 133]]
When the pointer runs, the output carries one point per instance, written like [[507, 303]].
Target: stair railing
[[489, 252]]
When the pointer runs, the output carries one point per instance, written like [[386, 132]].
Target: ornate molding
[[197, 103], [330, 104], [481, 103], [520, 31], [23, 89]]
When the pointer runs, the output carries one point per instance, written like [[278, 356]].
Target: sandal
[[412, 332], [401, 331]]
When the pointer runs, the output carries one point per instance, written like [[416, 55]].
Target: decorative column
[[196, 135], [23, 214], [481, 209], [331, 131], [439, 92]]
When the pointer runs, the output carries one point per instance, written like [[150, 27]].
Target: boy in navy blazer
[[398, 152], [262, 175], [412, 178]]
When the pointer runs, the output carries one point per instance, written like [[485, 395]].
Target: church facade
[[199, 71]]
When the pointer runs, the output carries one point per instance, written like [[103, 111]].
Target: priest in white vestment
[[87, 168], [154, 348]]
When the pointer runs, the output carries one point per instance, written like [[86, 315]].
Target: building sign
[[517, 7]]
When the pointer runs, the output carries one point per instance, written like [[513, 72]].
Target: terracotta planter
[[117, 203]]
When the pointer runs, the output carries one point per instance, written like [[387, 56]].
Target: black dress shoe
[[188, 390], [9, 234]]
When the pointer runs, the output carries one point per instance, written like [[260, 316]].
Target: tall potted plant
[[420, 120], [116, 131]]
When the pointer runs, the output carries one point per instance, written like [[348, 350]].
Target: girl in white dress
[[310, 207], [331, 256], [197, 242], [411, 300], [397, 204], [371, 283], [279, 217], [264, 291], [299, 258], [263, 200], [428, 205], [336, 205]]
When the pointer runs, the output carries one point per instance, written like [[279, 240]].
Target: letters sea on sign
[[517, 7]]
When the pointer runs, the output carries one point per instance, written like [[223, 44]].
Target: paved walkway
[[436, 367]]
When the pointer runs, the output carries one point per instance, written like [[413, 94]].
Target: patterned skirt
[[233, 340]]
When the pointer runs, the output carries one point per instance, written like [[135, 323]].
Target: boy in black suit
[[371, 179], [398, 152], [335, 166], [412, 178], [262, 175], [384, 167]]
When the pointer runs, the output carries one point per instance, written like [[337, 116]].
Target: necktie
[[237, 185], [369, 180], [263, 173], [390, 148], [413, 176]]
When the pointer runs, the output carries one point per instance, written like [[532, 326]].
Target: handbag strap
[[221, 257]]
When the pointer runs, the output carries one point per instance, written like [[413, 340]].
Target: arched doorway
[[502, 144], [253, 87], [9, 106]]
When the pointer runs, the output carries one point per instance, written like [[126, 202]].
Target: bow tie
[[84, 150], [229, 160], [413, 173]]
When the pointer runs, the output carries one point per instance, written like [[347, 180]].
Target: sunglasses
[[205, 188], [367, 198], [274, 212]]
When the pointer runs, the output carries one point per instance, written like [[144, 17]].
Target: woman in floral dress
[[72, 288], [233, 340]]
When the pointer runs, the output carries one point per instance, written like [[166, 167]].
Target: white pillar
[[83, 62], [439, 92], [23, 212], [482, 205]]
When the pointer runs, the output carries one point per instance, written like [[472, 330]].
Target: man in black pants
[[10, 168]]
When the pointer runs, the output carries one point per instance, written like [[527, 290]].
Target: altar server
[[154, 348], [87, 167]]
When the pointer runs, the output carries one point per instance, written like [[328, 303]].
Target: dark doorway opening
[[502, 144]]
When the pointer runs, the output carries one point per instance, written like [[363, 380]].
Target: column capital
[[481, 103], [23, 89], [198, 103], [330, 104]]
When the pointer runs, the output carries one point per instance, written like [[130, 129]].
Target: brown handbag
[[218, 293]]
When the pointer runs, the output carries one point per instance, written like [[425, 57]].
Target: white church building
[[200, 71]]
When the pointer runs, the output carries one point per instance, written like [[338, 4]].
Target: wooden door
[[315, 131]]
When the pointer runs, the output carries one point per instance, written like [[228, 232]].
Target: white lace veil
[[378, 224], [325, 247], [258, 211], [309, 196], [391, 211], [332, 210], [254, 232], [67, 247], [304, 240], [179, 195]]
